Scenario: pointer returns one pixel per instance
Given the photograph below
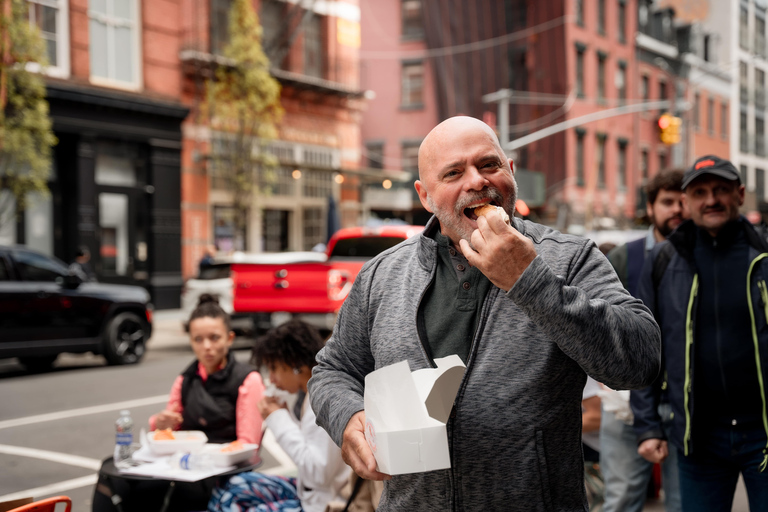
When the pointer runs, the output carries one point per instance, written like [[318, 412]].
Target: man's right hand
[[356, 452], [653, 450]]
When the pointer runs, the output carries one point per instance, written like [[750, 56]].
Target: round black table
[[109, 471]]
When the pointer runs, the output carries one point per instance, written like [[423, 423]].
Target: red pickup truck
[[312, 291]]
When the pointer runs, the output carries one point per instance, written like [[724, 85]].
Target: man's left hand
[[500, 251]]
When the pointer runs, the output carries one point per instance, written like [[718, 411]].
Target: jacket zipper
[[688, 347], [764, 296]]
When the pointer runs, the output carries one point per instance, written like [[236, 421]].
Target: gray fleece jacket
[[515, 430]]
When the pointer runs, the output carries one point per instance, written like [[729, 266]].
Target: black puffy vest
[[211, 406]]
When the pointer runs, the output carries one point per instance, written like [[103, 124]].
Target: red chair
[[46, 505]]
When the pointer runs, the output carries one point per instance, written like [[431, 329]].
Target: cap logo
[[704, 163]]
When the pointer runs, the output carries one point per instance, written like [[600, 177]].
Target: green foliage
[[244, 104], [26, 137]]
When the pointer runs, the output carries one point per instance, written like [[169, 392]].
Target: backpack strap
[[661, 263], [635, 259]]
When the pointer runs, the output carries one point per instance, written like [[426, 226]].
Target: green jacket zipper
[[764, 295]]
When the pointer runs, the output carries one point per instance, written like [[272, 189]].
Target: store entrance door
[[123, 251]]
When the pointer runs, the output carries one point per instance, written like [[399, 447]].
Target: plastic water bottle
[[187, 460], [123, 440]]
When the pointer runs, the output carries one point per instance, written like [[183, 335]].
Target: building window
[[601, 58], [51, 17], [662, 161], [580, 157], [644, 162], [724, 120], [412, 85], [275, 230], [316, 183], [663, 95], [645, 88], [579, 71], [759, 136], [219, 25], [711, 116], [601, 17], [759, 185], [760, 34], [271, 16], [622, 22], [580, 12], [374, 153], [697, 111], [743, 134], [114, 42], [759, 88], [313, 47], [314, 232], [744, 28], [743, 82], [410, 156], [621, 176], [621, 82], [412, 22], [227, 236], [600, 160], [743, 173]]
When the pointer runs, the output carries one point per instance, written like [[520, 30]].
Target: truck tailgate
[[293, 287]]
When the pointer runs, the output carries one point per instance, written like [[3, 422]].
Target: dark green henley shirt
[[451, 306]]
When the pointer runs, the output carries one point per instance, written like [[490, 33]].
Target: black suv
[[45, 310]]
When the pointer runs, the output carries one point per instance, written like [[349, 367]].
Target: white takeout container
[[220, 458], [185, 441], [406, 413]]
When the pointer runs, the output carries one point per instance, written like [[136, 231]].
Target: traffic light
[[669, 128]]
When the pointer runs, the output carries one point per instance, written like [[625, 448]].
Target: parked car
[[46, 310], [216, 279]]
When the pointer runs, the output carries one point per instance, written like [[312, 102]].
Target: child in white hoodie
[[288, 352]]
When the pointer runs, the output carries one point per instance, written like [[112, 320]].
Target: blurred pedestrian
[[529, 310], [625, 471], [706, 286], [81, 266], [209, 257], [289, 351]]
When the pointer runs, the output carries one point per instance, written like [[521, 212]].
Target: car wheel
[[125, 339], [38, 364]]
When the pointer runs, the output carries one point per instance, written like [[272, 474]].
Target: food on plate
[[164, 435], [488, 208], [233, 446]]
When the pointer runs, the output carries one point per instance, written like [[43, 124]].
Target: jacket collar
[[684, 237]]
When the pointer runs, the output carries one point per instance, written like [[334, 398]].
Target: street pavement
[[57, 427]]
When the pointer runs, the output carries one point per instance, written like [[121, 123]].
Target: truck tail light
[[339, 284], [149, 312]]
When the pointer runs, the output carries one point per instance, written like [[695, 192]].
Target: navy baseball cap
[[711, 164]]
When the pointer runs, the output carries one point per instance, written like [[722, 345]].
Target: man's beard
[[666, 228], [453, 220]]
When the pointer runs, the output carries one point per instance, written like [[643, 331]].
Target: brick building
[[314, 54], [113, 86], [132, 176]]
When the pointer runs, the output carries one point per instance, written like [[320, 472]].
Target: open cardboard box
[[406, 413]]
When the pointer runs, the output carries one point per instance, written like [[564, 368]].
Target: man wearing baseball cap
[[706, 286]]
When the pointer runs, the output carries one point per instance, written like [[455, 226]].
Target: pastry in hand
[[487, 208]]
